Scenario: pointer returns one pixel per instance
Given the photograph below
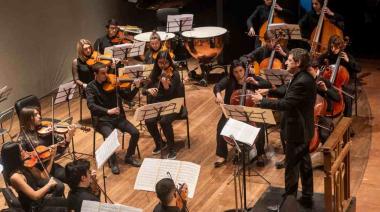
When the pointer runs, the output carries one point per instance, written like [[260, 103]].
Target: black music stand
[[65, 93], [156, 110], [276, 77], [4, 93], [249, 115]]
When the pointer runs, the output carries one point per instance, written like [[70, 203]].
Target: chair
[[30, 101], [4, 116], [82, 95], [122, 145], [11, 199], [162, 15]]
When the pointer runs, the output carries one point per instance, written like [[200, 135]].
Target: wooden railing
[[336, 154]]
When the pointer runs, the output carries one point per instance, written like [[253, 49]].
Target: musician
[[82, 184], [310, 20], [297, 104], [168, 195], [261, 14], [264, 51], [106, 41], [108, 114], [30, 123], [155, 45], [82, 73], [164, 84], [234, 82], [32, 195], [335, 47]]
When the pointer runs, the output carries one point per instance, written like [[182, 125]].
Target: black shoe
[[172, 155], [306, 202], [157, 150], [113, 164], [131, 161], [218, 164], [280, 164]]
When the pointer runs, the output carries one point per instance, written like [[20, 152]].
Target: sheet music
[[132, 71], [276, 76], [292, 29], [152, 170], [108, 147], [137, 49], [255, 114], [174, 22], [92, 206], [151, 110], [63, 92], [242, 132]]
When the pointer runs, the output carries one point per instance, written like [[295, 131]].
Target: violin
[[122, 82], [181, 196], [59, 128], [41, 153], [121, 38], [97, 57]]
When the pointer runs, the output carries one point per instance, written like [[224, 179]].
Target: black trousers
[[106, 127], [166, 123], [348, 101], [221, 144], [298, 163]]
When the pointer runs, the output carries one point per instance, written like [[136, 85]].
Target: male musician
[[82, 73], [310, 19], [81, 181], [167, 194], [106, 41], [107, 113], [335, 48], [297, 123], [259, 54], [30, 122], [233, 82], [261, 14]]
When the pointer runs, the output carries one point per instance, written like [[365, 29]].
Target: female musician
[[82, 73], [80, 180], [32, 195], [310, 19], [165, 84], [233, 82], [261, 14], [30, 122], [168, 196], [155, 45], [259, 54], [335, 49]]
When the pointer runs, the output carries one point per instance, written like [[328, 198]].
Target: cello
[[272, 18], [322, 32]]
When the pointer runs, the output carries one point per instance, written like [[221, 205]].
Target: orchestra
[[319, 89]]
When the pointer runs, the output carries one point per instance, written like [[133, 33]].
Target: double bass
[[272, 18], [322, 32]]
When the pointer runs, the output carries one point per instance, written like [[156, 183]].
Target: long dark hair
[[335, 41], [11, 159], [156, 69], [234, 64], [27, 118]]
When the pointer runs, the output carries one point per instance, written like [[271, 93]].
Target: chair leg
[[122, 144], [138, 151], [80, 108], [188, 133], [93, 144]]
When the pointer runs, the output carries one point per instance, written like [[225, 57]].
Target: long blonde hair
[[80, 45]]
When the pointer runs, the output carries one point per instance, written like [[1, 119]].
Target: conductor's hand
[[256, 97], [251, 32], [152, 91], [219, 99], [114, 111]]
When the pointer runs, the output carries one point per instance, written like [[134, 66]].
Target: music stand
[[4, 93], [179, 23], [103, 153], [65, 93], [126, 50], [156, 110], [276, 76], [248, 115], [286, 31]]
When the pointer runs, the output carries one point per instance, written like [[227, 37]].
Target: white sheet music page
[[63, 90], [152, 170], [241, 131], [92, 206], [108, 147]]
